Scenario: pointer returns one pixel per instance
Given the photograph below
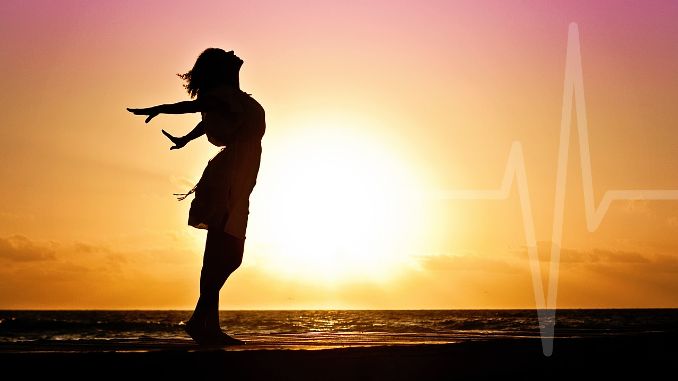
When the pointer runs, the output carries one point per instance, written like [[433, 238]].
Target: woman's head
[[214, 67]]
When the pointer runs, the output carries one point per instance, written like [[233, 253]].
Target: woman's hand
[[179, 142], [152, 112]]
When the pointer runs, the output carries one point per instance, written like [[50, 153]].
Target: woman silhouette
[[233, 120]]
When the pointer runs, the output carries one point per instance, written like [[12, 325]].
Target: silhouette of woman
[[233, 120]]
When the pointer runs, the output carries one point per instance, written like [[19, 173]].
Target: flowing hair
[[213, 67]]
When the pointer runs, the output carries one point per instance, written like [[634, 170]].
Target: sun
[[336, 204]]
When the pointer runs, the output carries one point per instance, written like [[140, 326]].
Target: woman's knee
[[221, 266], [233, 251], [223, 254], [233, 263]]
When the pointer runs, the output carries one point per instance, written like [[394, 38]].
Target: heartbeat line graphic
[[515, 170]]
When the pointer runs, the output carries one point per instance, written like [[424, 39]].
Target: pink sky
[[443, 86]]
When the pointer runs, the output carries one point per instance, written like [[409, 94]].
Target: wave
[[330, 326]]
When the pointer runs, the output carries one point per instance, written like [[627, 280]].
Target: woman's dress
[[222, 194]]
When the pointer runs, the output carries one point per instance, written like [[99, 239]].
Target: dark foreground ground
[[643, 357]]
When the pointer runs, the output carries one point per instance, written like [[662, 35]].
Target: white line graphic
[[515, 170]]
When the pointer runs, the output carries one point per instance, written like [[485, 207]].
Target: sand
[[620, 357]]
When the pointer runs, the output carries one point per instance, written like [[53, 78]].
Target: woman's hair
[[213, 67]]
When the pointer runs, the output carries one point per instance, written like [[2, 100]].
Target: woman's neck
[[234, 82]]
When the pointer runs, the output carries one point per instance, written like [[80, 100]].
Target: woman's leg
[[222, 258], [223, 255]]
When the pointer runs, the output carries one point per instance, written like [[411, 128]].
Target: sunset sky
[[373, 109]]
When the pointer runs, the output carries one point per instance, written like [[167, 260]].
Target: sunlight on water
[[141, 330]]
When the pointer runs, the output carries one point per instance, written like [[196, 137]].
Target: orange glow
[[373, 109], [338, 207]]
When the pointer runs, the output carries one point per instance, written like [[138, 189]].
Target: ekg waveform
[[515, 170]]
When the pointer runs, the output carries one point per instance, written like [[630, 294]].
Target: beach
[[621, 357], [342, 345]]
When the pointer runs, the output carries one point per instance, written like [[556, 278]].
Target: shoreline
[[618, 356]]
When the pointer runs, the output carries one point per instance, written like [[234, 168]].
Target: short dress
[[222, 193]]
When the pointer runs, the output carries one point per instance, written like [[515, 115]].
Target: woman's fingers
[[144, 111], [151, 116], [139, 111], [170, 137], [178, 143]]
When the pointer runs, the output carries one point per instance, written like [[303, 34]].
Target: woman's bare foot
[[226, 339], [203, 336], [197, 332]]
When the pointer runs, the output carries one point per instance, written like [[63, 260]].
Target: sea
[[315, 329]]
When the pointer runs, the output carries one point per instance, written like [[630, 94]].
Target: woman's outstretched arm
[[184, 107], [179, 142]]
